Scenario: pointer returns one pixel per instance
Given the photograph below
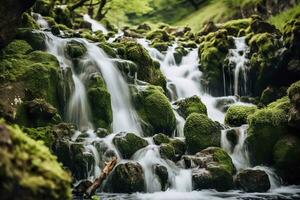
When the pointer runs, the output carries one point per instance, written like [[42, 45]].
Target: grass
[[283, 17], [216, 11]]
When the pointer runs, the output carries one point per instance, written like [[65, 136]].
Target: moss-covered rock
[[28, 22], [212, 53], [167, 151], [179, 53], [201, 132], [162, 173], [266, 127], [147, 69], [37, 113], [237, 115], [234, 27], [151, 105], [29, 166], [126, 178], [190, 105], [100, 100], [160, 138], [159, 35], [108, 49], [35, 38], [128, 144], [75, 49], [294, 113], [251, 180], [43, 7], [286, 158], [62, 15], [270, 94], [161, 46], [212, 168]]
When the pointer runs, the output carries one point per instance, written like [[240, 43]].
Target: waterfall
[[96, 26], [237, 58]]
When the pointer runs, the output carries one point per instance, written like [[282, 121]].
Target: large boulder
[[251, 180], [100, 100], [128, 144], [29, 166], [212, 168], [10, 18], [75, 49], [190, 105], [152, 104], [147, 69], [126, 178], [294, 113], [266, 127], [286, 157], [237, 115], [201, 132]]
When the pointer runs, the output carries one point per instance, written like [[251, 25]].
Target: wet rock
[[212, 168], [128, 144], [102, 132], [75, 49], [294, 113], [201, 132], [286, 157], [81, 187], [232, 136], [251, 180], [35, 38], [179, 147], [167, 151], [237, 115], [224, 103], [144, 26], [208, 28], [160, 139], [190, 105], [162, 173], [126, 178]]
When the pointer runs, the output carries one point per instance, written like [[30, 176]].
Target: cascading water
[[237, 58], [96, 26]]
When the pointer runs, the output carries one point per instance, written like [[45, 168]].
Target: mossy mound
[[147, 69], [28, 22], [294, 113], [237, 115], [191, 105], [167, 151], [34, 37], [160, 139], [151, 105], [159, 35], [28, 75], [128, 144], [212, 52], [75, 49], [266, 127], [286, 157], [100, 100], [29, 166], [201, 132], [126, 178]]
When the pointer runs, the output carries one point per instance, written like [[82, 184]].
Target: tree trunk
[[77, 5], [101, 13]]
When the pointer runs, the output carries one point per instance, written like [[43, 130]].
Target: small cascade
[[43, 24], [237, 58], [96, 26], [179, 179]]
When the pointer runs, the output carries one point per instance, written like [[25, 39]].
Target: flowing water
[[183, 80], [96, 26]]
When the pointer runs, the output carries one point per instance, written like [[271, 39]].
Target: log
[[109, 166]]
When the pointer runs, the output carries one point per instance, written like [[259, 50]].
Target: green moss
[[234, 26], [201, 132], [167, 151], [17, 47], [43, 7], [293, 91], [223, 159], [35, 38], [108, 49], [282, 18], [41, 134], [151, 104], [191, 105], [128, 144], [62, 15], [100, 100], [75, 49], [160, 35], [161, 46], [160, 139], [29, 166], [266, 127], [28, 22], [237, 115], [57, 28], [147, 69]]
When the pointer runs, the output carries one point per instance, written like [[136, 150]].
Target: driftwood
[[109, 166]]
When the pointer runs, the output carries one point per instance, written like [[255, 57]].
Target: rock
[[208, 28], [62, 15], [266, 127], [201, 132], [190, 105], [144, 26], [43, 7], [128, 144], [237, 115], [159, 35], [294, 113], [102, 132], [126, 178], [167, 151], [151, 104], [20, 155], [212, 168], [81, 187], [232, 136], [28, 22], [160, 139], [223, 103], [100, 100], [236, 27], [162, 173], [75, 49], [179, 147], [161, 46], [147, 69], [37, 113], [270, 94], [286, 157], [179, 53], [34, 38], [251, 180], [10, 19]]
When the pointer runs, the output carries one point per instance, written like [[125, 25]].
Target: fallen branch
[[109, 166]]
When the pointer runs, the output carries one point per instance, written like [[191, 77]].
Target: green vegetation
[[237, 115], [282, 18]]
